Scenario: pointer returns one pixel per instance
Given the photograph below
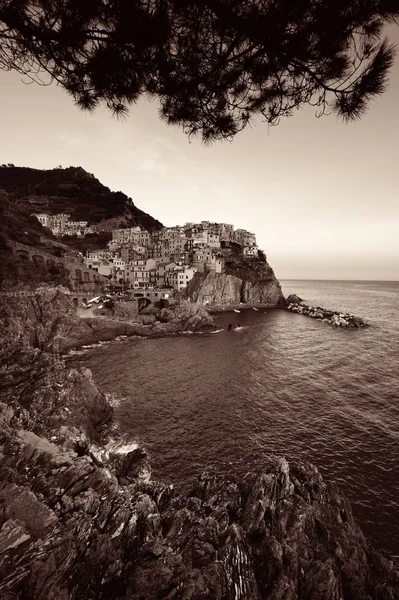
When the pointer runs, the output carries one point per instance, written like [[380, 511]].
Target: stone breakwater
[[338, 319]]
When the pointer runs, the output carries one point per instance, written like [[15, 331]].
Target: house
[[208, 259], [131, 251], [137, 272], [44, 219], [180, 279], [213, 240], [159, 249], [163, 271], [226, 231], [244, 237], [250, 251]]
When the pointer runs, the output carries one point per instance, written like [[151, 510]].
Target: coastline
[[216, 309]]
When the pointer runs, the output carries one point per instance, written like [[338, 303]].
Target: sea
[[284, 384]]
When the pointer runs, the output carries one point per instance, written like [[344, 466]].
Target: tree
[[212, 64]]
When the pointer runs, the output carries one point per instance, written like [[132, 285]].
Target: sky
[[320, 195]]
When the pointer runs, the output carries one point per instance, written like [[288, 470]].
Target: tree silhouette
[[212, 64]]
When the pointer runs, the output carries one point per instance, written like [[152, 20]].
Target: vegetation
[[72, 191], [212, 64], [18, 225], [15, 271], [250, 269], [90, 242]]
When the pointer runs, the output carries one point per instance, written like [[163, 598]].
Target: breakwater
[[332, 317]]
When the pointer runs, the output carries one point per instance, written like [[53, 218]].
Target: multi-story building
[[213, 240], [179, 279], [76, 228], [45, 219], [226, 231], [141, 238], [163, 272], [250, 251], [137, 273], [130, 251], [177, 244], [159, 249], [244, 237], [207, 259]]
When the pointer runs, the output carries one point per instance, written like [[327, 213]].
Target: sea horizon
[[339, 280]]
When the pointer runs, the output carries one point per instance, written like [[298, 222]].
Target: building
[[163, 272], [249, 251], [207, 259], [226, 232], [244, 237], [179, 279], [137, 272], [131, 251], [213, 240], [160, 249], [44, 219]]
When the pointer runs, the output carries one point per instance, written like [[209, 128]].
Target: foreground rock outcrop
[[70, 530], [223, 289]]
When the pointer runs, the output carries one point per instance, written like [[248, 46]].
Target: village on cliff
[[151, 262]]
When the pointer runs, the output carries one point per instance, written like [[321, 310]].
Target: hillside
[[72, 191], [24, 191], [17, 225]]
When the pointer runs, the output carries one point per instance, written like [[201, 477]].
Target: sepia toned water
[[286, 385]]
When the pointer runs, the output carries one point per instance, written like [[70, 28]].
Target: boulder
[[293, 299]]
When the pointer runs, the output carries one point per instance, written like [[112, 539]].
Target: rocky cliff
[[224, 289], [81, 519]]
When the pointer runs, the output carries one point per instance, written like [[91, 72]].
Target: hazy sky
[[321, 196]]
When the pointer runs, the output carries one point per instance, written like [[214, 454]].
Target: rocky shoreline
[[151, 322], [217, 309]]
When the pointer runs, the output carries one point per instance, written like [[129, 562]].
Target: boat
[[253, 308], [236, 310]]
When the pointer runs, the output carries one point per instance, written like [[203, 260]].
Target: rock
[[134, 466], [151, 309], [20, 504], [6, 413], [221, 289], [278, 532], [147, 319], [293, 299]]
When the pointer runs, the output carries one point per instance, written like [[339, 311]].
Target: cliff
[[224, 289], [80, 517]]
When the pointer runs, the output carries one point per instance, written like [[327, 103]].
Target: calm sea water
[[286, 385]]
